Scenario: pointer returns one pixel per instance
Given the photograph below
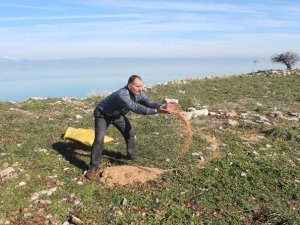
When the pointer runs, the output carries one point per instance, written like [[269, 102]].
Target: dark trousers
[[101, 125]]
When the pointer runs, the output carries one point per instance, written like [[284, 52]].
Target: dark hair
[[132, 79]]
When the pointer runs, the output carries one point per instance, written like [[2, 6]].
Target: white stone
[[170, 100], [293, 114], [293, 118], [259, 119], [76, 220], [262, 119], [233, 123], [48, 192], [200, 113], [7, 171], [276, 114], [196, 154], [77, 202], [183, 192], [188, 115], [191, 109], [124, 201], [43, 150], [22, 183], [78, 117]]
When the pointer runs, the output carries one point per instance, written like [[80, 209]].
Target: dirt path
[[246, 136], [214, 148]]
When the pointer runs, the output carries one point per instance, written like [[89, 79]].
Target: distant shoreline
[[147, 86]]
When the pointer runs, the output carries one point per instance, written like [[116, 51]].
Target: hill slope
[[242, 166]]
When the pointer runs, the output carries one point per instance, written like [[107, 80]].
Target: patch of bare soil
[[124, 175], [246, 136]]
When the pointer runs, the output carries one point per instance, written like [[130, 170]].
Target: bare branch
[[288, 58]]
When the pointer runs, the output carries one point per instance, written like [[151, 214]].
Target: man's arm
[[136, 107], [160, 108], [148, 108], [144, 100]]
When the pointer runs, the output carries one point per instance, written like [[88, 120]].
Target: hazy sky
[[62, 29]]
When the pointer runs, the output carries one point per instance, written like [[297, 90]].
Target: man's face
[[136, 87]]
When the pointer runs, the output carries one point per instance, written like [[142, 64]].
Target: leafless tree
[[289, 59]]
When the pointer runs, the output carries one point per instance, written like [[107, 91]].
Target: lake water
[[20, 80]]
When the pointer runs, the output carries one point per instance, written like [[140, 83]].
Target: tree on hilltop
[[289, 59]]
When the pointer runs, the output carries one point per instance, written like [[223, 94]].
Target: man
[[113, 109]]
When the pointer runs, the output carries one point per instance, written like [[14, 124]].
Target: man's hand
[[168, 107], [172, 106], [162, 109]]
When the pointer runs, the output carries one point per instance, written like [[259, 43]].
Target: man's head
[[135, 84]]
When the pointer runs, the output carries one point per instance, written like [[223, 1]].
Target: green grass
[[248, 182]]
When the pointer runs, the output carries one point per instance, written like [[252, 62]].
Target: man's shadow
[[71, 151]]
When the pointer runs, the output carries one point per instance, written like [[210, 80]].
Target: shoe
[[135, 158], [131, 157], [90, 174]]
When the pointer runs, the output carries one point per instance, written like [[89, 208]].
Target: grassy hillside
[[242, 166]]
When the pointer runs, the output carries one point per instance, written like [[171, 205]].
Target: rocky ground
[[241, 167]]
